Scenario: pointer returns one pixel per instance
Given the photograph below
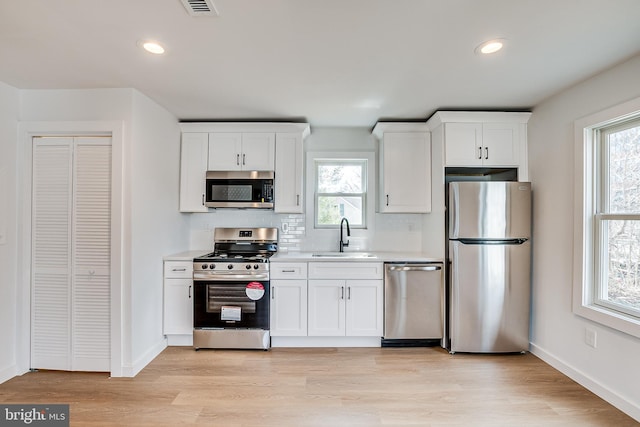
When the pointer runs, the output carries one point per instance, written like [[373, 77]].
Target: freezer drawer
[[414, 301], [489, 297]]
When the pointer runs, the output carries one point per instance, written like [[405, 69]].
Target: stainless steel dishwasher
[[413, 304]]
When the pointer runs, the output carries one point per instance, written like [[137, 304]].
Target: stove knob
[[248, 266], [256, 266], [212, 266], [204, 266], [230, 266]]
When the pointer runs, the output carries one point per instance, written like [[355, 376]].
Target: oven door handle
[[225, 277]]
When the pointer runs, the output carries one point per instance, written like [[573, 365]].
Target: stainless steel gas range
[[231, 290]]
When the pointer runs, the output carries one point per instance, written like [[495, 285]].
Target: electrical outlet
[[590, 337]]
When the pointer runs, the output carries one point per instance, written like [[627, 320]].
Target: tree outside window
[[617, 220], [340, 192]]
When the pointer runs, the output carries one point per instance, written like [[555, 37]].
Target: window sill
[[610, 318]]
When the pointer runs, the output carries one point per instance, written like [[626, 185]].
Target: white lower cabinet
[[288, 308], [178, 302], [345, 307], [345, 299], [320, 304], [288, 311]]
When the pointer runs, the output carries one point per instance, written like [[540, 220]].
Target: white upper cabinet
[[289, 172], [193, 169], [231, 151], [243, 146], [483, 139], [477, 144], [405, 168]]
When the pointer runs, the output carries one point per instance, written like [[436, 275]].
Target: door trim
[[26, 132]]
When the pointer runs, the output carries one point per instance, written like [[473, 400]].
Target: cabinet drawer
[[345, 270], [178, 269], [297, 270]]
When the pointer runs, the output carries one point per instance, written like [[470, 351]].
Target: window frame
[[603, 214], [363, 162], [590, 237]]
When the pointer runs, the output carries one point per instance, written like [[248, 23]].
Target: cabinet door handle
[[486, 153], [244, 156], [348, 292], [203, 200], [479, 153], [179, 269], [237, 159], [341, 292], [288, 271], [273, 292], [387, 200], [297, 200], [189, 291]]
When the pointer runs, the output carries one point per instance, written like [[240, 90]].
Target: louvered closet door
[[71, 254], [91, 249], [51, 253]]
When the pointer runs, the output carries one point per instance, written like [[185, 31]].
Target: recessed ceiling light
[[491, 46], [151, 46]]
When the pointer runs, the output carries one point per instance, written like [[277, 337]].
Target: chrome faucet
[[342, 242]]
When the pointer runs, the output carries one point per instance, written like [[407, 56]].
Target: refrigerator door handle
[[492, 242]]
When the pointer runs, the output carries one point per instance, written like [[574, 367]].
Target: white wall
[[558, 336], [9, 107], [157, 227]]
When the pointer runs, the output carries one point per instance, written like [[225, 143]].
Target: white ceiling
[[328, 62]]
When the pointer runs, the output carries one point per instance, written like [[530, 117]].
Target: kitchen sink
[[343, 255]]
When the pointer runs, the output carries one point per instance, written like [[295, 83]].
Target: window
[[340, 191], [607, 218], [617, 217]]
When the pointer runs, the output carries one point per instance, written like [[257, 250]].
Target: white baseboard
[[325, 341], [180, 340], [589, 383], [9, 372], [144, 360]]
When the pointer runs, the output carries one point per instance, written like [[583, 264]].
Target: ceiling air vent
[[200, 7]]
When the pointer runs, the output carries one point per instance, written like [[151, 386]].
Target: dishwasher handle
[[414, 268]]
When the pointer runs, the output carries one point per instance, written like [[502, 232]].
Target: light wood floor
[[322, 387]]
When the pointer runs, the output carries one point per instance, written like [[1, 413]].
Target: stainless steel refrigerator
[[489, 227]]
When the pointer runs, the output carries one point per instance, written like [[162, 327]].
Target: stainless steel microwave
[[239, 189]]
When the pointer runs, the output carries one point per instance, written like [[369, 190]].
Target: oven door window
[[219, 296], [228, 305]]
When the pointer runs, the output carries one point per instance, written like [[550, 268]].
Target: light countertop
[[186, 255], [296, 256]]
